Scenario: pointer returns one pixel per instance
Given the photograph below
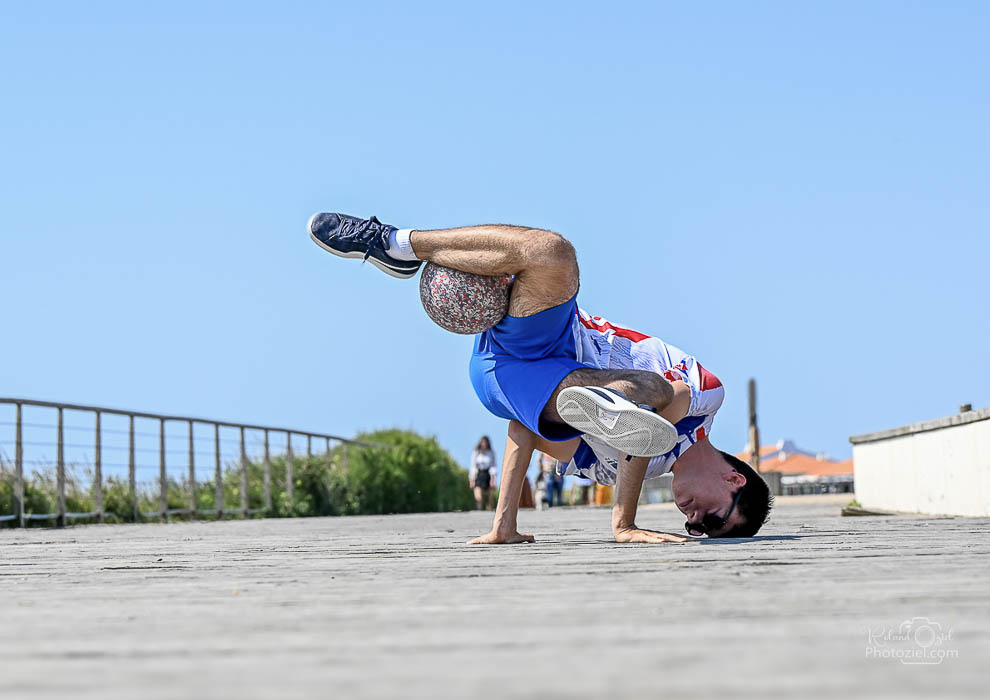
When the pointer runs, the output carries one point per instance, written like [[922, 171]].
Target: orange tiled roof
[[803, 464]]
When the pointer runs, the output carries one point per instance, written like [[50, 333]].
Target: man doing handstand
[[613, 404]]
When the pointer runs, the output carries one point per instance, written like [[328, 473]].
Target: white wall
[[940, 472]]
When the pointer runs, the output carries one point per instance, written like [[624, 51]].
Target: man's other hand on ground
[[634, 534]]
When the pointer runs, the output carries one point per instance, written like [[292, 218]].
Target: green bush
[[413, 475], [118, 506]]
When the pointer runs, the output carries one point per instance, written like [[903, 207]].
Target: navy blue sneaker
[[351, 237]]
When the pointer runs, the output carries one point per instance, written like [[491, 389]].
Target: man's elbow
[[521, 435]]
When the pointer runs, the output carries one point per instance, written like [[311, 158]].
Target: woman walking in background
[[482, 473]]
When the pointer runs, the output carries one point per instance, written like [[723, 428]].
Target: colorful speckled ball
[[461, 302]]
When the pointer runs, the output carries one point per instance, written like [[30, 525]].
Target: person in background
[[553, 481], [482, 474], [540, 495], [582, 493]]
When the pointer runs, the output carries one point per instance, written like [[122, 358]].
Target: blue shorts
[[517, 365]]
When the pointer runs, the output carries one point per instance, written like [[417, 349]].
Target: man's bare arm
[[519, 446], [630, 483]]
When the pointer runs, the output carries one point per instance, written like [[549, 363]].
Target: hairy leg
[[640, 386], [543, 262]]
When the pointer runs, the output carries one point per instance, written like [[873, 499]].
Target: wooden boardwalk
[[397, 606]]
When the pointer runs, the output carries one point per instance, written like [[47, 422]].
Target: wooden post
[[219, 474], [345, 449], [162, 478], [131, 469], [244, 477], [328, 447], [754, 431], [19, 469], [268, 476], [192, 472], [60, 475], [98, 469], [309, 445], [289, 476]]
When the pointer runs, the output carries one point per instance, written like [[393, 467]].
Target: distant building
[[803, 471]]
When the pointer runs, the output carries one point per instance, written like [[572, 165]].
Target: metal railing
[[61, 515]]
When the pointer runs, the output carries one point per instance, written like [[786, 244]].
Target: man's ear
[[735, 479]]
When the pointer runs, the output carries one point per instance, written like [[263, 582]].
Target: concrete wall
[[939, 467]]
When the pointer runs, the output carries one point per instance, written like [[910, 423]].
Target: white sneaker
[[615, 420]]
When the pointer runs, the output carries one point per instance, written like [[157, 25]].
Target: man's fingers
[[654, 537], [664, 537]]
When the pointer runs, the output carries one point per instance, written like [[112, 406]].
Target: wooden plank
[[377, 608], [60, 473], [162, 475], [132, 471], [218, 474], [19, 467], [290, 479], [98, 470], [192, 471], [268, 476], [244, 478]]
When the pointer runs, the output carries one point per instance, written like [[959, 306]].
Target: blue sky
[[796, 192]]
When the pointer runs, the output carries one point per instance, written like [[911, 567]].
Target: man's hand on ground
[[494, 537], [634, 534]]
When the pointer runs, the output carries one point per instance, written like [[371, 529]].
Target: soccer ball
[[461, 302]]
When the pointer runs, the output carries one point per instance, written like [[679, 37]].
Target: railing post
[[131, 470], [19, 469], [309, 445], [268, 476], [219, 474], [98, 470], [192, 472], [60, 475], [328, 447], [290, 478], [163, 493], [344, 459], [244, 478]]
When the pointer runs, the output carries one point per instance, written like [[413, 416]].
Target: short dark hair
[[754, 503]]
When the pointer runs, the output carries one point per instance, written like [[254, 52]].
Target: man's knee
[[547, 249], [657, 387], [549, 274]]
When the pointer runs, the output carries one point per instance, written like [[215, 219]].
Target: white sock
[[399, 245]]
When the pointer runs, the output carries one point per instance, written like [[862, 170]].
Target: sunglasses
[[711, 522]]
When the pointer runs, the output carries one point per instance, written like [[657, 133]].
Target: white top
[[604, 345], [482, 460]]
